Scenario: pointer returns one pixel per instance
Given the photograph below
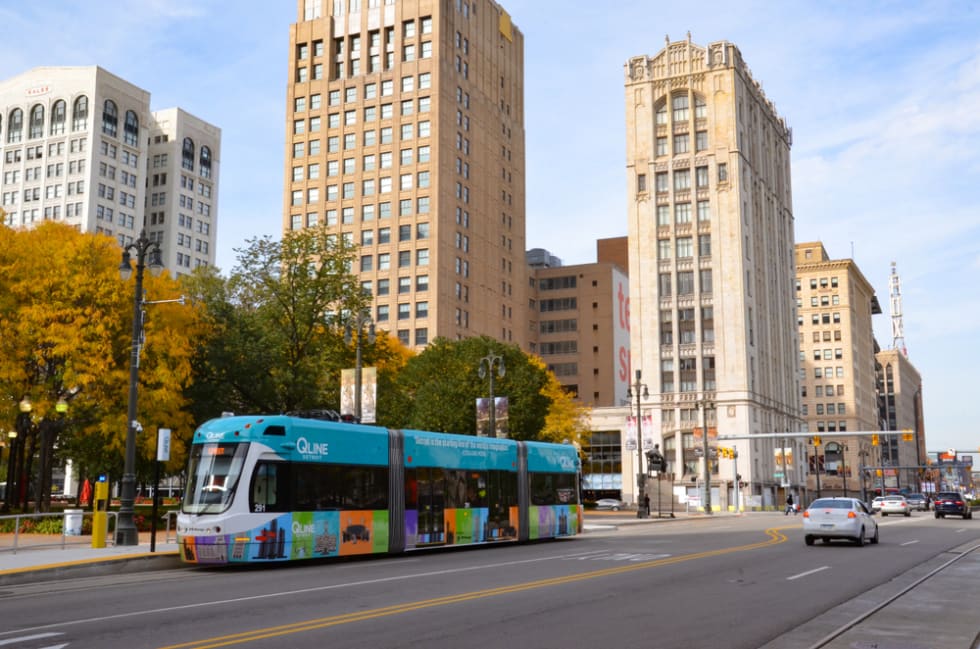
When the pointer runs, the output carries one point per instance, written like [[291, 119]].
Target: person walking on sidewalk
[[789, 505]]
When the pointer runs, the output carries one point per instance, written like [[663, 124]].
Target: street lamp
[[703, 404], [486, 369], [640, 391], [11, 468], [126, 533], [363, 318]]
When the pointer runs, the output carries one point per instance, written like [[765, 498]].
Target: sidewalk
[[41, 557]]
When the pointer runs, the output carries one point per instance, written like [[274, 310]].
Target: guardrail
[[20, 539]]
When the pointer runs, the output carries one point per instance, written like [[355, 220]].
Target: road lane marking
[[910, 542], [25, 638], [808, 572], [775, 537]]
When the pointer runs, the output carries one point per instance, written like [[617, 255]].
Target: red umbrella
[[86, 494]]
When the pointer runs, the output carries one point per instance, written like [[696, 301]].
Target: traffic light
[[816, 440], [907, 436], [874, 439]]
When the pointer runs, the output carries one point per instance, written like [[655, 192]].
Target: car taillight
[[958, 502], [806, 514], [851, 515]]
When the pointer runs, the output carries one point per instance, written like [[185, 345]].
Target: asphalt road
[[734, 582]]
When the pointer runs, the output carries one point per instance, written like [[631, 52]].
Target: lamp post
[[703, 404], [486, 370], [11, 469], [126, 533], [843, 466], [363, 318], [639, 390]]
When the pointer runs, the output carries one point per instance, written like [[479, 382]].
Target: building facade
[[75, 143], [579, 326], [902, 455], [405, 136], [713, 323], [835, 304]]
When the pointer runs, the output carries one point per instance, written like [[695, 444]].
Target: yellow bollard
[[100, 522]]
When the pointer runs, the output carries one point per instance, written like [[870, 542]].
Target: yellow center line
[[774, 534]]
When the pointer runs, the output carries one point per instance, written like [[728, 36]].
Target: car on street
[[918, 502], [876, 503], [839, 518], [610, 504], [951, 503], [896, 505]]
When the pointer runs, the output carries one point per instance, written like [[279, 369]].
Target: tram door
[[432, 505]]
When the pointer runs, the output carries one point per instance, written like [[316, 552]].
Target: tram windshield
[[213, 476]]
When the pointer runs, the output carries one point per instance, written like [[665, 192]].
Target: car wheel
[[860, 538], [615, 509], [908, 513], [937, 514], [874, 539], [884, 513], [808, 539], [970, 515]]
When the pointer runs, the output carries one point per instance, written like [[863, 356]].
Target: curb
[[125, 564]]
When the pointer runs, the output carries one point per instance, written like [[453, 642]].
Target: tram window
[[270, 488], [552, 488], [319, 487]]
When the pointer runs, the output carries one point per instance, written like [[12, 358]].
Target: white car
[[876, 503], [896, 505], [839, 518]]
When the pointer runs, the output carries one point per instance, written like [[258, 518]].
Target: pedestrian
[[789, 505], [646, 503]]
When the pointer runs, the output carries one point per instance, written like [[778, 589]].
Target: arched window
[[36, 128], [79, 114], [58, 115], [205, 162], [700, 108], [661, 114], [131, 130], [110, 118], [15, 126], [188, 154]]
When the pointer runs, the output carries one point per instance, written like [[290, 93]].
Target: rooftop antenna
[[895, 297]]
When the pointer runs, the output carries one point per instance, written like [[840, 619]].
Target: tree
[[443, 383], [274, 329], [567, 419], [67, 321]]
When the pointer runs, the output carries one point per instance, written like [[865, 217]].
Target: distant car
[[951, 503], [876, 504], [895, 505], [610, 503], [839, 518], [918, 502]]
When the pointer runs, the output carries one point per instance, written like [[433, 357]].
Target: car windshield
[[831, 504]]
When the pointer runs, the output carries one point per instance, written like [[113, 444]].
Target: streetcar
[[268, 488]]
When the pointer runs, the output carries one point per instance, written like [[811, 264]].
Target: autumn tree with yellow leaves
[[66, 318]]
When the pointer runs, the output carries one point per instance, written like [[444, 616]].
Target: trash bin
[[73, 522]]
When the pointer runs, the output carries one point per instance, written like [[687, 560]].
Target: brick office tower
[[405, 135], [713, 320]]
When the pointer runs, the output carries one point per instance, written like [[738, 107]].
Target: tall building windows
[[682, 179], [79, 114], [36, 124], [663, 249], [110, 118], [682, 213], [680, 106], [682, 143], [663, 214]]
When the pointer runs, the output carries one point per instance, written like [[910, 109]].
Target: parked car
[[876, 504], [610, 503], [918, 502], [896, 505], [839, 518], [951, 503]]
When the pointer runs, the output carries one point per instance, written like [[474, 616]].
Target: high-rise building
[[405, 136], [579, 326], [80, 145], [900, 403], [713, 324], [835, 304]]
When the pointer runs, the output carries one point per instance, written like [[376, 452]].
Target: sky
[[883, 99]]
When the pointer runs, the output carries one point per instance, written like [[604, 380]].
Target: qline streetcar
[[281, 487]]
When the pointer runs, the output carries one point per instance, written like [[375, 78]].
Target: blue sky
[[883, 99]]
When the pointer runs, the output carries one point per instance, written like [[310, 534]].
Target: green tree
[[443, 383], [274, 329]]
